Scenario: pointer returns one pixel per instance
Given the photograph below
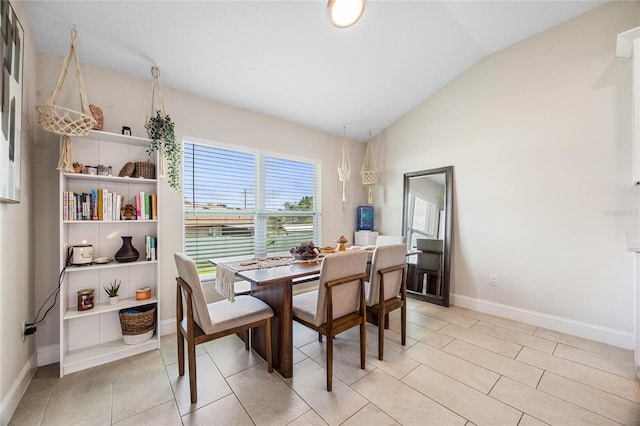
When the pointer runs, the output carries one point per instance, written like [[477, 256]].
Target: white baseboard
[[49, 354], [620, 338], [167, 326], [12, 398]]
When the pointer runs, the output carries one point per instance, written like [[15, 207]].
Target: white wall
[[539, 135], [124, 101], [17, 247]]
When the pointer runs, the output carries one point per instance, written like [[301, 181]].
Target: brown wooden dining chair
[[338, 304], [430, 264], [209, 321], [387, 289]]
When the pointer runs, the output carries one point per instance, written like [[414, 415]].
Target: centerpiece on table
[[305, 251]]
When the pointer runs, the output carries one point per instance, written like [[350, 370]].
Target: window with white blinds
[[425, 219], [244, 203]]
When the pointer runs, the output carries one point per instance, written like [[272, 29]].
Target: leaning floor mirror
[[427, 218]]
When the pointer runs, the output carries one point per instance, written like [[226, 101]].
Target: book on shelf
[[154, 207], [86, 206], [71, 207], [137, 207], [100, 203], [142, 206], [78, 204], [118, 206], [103, 205], [65, 205], [110, 206], [150, 248], [147, 207], [154, 245], [94, 204]]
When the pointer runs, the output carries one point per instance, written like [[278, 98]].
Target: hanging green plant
[[163, 139], [161, 131]]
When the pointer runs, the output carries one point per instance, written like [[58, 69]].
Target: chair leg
[[267, 335], [320, 337], [193, 386], [403, 323], [180, 353], [329, 363], [363, 343], [246, 339], [380, 335]]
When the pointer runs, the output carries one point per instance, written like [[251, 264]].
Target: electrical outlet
[[493, 280]]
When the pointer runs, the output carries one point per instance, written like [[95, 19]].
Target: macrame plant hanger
[[344, 171], [156, 104], [64, 121], [369, 173]]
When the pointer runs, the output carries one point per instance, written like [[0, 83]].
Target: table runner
[[226, 272]]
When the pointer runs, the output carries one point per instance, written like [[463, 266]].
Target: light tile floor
[[459, 367]]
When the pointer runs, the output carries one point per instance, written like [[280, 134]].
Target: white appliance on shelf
[[365, 238]]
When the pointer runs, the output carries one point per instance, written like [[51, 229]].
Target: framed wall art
[[11, 54]]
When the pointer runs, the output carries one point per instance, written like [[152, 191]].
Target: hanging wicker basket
[[64, 121], [344, 171], [369, 177]]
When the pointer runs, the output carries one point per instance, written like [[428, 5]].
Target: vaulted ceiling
[[284, 58]]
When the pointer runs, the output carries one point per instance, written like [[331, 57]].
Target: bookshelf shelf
[[94, 337], [103, 178], [110, 265], [97, 222], [91, 356], [105, 307]]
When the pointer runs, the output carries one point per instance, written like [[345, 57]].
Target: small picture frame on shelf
[[126, 130]]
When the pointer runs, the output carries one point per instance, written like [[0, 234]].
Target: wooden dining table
[[274, 286]]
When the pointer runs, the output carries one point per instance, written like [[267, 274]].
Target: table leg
[[278, 296]]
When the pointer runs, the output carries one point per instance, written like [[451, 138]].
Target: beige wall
[[539, 135], [18, 240], [124, 101]]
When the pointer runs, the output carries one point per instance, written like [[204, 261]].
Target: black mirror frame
[[446, 275]]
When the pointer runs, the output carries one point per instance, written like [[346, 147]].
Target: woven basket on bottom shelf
[[137, 323]]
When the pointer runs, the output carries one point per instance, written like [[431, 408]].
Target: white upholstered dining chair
[[205, 322], [385, 240], [338, 304], [387, 289]]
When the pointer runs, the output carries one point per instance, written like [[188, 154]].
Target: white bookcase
[[93, 337]]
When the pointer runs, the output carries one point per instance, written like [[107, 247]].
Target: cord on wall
[[30, 328]]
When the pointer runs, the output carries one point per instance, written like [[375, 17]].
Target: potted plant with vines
[[161, 131]]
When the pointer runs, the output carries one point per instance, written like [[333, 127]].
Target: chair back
[[386, 240], [345, 297], [189, 273], [431, 257], [386, 257]]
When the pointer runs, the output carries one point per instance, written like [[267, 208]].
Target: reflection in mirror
[[426, 225]]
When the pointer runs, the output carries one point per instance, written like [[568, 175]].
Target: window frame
[[260, 213]]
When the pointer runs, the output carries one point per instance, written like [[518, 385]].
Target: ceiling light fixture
[[345, 13]]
